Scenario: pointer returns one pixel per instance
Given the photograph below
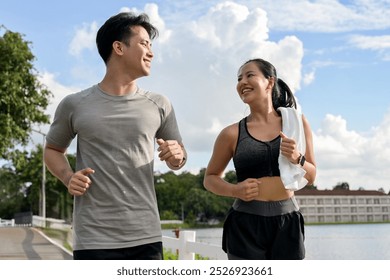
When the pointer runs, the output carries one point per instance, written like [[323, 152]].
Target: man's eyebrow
[[146, 41]]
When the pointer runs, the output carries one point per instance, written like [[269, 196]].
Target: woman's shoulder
[[230, 131]]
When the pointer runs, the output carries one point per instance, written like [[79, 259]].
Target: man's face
[[138, 53]]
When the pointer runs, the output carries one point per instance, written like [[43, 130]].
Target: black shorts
[[276, 233], [152, 251]]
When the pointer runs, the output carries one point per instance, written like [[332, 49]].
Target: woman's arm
[[310, 164], [224, 148]]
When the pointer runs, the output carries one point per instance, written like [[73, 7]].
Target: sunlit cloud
[[327, 16], [346, 155], [85, 38], [380, 44]]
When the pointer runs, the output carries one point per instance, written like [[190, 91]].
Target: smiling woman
[[263, 157]]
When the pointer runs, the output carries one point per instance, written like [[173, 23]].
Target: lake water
[[329, 242]]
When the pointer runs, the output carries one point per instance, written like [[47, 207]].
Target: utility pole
[[43, 187]]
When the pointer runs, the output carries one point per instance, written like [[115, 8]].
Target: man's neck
[[114, 86]]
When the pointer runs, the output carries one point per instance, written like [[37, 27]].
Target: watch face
[[303, 159]]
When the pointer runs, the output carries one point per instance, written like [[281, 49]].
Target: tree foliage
[[23, 99], [183, 196], [13, 195], [341, 186], [21, 187]]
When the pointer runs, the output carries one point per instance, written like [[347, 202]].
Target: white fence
[[50, 223], [187, 247], [7, 223]]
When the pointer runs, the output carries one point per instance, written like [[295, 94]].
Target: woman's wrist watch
[[301, 160]]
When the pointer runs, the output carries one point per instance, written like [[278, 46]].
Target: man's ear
[[117, 47]]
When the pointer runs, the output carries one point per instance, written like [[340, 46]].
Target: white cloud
[[371, 42], [308, 78], [334, 136], [216, 127], [84, 39], [226, 26], [327, 15], [380, 44], [344, 155]]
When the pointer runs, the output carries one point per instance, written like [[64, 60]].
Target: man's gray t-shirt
[[116, 137]]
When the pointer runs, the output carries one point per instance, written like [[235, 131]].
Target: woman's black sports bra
[[254, 158]]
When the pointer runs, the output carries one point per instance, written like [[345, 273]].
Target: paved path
[[25, 243]]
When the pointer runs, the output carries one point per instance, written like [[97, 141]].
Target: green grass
[[57, 234], [169, 255], [190, 226]]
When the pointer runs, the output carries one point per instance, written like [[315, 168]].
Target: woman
[[264, 221]]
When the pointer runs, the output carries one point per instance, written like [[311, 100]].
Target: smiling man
[[117, 124]]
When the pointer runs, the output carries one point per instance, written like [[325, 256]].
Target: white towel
[[292, 175]]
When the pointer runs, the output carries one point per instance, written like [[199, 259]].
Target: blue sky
[[334, 54]]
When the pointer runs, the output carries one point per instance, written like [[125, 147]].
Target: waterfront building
[[343, 206]]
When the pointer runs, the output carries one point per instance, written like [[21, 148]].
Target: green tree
[[13, 194], [23, 99], [21, 188], [311, 187], [184, 195], [341, 186], [231, 177], [206, 205]]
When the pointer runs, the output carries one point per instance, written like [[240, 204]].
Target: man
[[117, 124]]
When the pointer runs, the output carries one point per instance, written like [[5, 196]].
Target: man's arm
[[58, 164], [173, 153]]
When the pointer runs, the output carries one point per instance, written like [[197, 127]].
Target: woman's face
[[251, 83]]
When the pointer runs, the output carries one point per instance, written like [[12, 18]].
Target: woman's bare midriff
[[272, 189]]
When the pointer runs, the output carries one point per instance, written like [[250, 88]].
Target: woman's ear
[[271, 82]]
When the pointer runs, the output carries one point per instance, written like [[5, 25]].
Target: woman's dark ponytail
[[282, 95]]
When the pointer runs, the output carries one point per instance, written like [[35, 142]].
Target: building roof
[[338, 192]]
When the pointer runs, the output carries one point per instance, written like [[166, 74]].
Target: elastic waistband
[[266, 208]]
